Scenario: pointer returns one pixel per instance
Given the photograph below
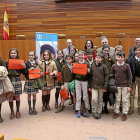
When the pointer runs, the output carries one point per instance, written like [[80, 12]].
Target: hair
[[50, 57], [90, 51], [60, 51], [69, 55], [69, 40], [35, 58], [47, 47], [104, 39], [82, 51], [118, 46], [99, 54], [137, 46], [14, 49], [75, 53], [137, 37], [72, 47], [105, 46], [121, 53], [86, 43]]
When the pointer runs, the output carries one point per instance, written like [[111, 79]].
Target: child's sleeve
[[62, 75], [55, 69], [2, 62], [106, 74], [112, 70], [129, 76]]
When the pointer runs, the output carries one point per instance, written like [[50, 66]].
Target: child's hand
[[32, 68], [51, 74], [89, 89], [62, 87], [88, 70], [42, 73], [128, 89], [23, 65], [104, 90]]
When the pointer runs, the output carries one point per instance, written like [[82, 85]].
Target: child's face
[[117, 50], [46, 56], [88, 44], [98, 59], [13, 54], [72, 51], [90, 55], [31, 56], [137, 52], [81, 56], [76, 58], [59, 55], [106, 52], [69, 60], [120, 59]]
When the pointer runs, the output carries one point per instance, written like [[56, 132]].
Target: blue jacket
[[132, 66]]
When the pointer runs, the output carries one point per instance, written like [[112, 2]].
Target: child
[[90, 60], [134, 63], [123, 79], [81, 83], [99, 84], [66, 78], [6, 87], [14, 76], [72, 50], [28, 88], [108, 62], [59, 61], [117, 49], [76, 59], [49, 66]]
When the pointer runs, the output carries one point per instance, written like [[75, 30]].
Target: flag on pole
[[6, 24]]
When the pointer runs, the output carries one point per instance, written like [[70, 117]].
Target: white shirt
[[120, 64], [61, 60], [46, 62], [90, 62], [82, 62], [32, 63], [137, 58]]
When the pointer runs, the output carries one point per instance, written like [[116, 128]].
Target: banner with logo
[[46, 41]]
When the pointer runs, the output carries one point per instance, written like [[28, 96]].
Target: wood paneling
[[24, 46], [73, 18]]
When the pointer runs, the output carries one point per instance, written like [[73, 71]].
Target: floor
[[65, 125]]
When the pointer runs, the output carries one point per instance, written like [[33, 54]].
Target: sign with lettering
[[80, 68]]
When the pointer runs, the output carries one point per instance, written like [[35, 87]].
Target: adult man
[[131, 51], [69, 44], [104, 42]]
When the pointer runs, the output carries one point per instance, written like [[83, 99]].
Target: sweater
[[66, 75], [2, 63], [123, 76], [99, 76], [58, 64]]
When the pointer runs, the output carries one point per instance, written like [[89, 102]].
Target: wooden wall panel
[[24, 46], [74, 18]]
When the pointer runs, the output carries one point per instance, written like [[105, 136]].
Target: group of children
[[91, 89]]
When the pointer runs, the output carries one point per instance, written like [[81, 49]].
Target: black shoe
[[97, 116], [103, 111], [106, 111]]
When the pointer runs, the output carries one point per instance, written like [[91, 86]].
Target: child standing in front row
[[81, 83], [66, 78], [59, 61], [47, 65], [123, 80], [99, 84], [14, 76], [28, 88]]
